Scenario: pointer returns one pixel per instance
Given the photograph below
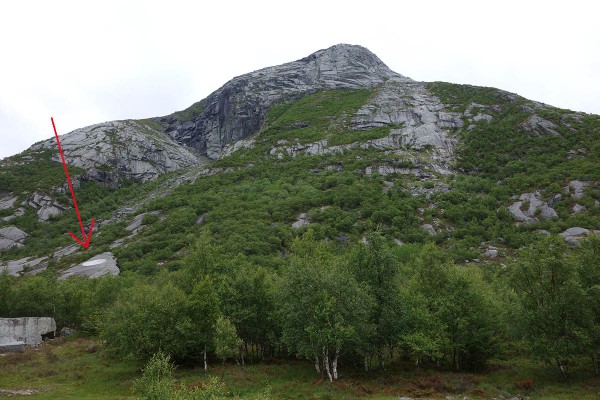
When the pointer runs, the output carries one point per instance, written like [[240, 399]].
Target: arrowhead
[[86, 238]]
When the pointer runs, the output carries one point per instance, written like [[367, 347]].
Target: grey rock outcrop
[[7, 201], [15, 333], [100, 265], [573, 235], [17, 267], [302, 221], [429, 229], [576, 188], [136, 224], [128, 149], [45, 205], [535, 123], [534, 207], [237, 110], [10, 237], [17, 213]]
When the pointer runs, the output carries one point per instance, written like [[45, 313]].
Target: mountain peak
[[348, 59]]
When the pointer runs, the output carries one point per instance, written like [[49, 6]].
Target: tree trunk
[[456, 357], [205, 362], [247, 353], [380, 359], [326, 363], [595, 364], [561, 368], [317, 365], [242, 355], [334, 363], [366, 363]]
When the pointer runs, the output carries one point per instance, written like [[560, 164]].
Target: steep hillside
[[335, 141]]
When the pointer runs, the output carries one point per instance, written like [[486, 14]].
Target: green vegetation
[[336, 309], [311, 117], [190, 113]]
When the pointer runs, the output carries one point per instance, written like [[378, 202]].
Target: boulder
[[15, 333], [535, 206], [302, 221], [577, 208], [100, 265], [10, 237], [573, 235], [575, 188], [429, 229]]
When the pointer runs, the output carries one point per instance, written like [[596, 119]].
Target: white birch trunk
[[326, 363], [334, 363], [205, 362], [317, 366]]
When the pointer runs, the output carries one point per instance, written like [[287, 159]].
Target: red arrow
[[86, 239]]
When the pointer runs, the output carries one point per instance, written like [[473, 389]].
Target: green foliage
[[310, 117], [227, 341], [323, 309], [450, 310], [190, 113], [37, 167], [556, 315], [157, 383], [146, 319], [339, 139]]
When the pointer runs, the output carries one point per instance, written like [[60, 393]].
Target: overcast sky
[[86, 62]]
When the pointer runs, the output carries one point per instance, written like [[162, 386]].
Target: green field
[[76, 368]]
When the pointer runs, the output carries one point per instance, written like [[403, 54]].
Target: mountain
[[335, 142]]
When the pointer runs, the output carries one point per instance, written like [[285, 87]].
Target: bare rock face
[[529, 208], [7, 201], [11, 236], [237, 109], [15, 333], [45, 205], [100, 265], [128, 149], [17, 267], [535, 123], [576, 188]]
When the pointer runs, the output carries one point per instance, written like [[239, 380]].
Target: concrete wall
[[15, 333]]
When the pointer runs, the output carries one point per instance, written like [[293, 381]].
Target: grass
[[67, 369], [76, 368]]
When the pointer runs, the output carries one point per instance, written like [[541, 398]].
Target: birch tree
[[203, 312], [323, 309], [374, 265], [555, 316]]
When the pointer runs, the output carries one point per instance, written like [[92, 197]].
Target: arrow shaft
[[64, 163]]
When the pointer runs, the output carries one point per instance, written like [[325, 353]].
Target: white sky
[[85, 62]]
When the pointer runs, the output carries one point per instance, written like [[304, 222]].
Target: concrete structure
[[16, 333]]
